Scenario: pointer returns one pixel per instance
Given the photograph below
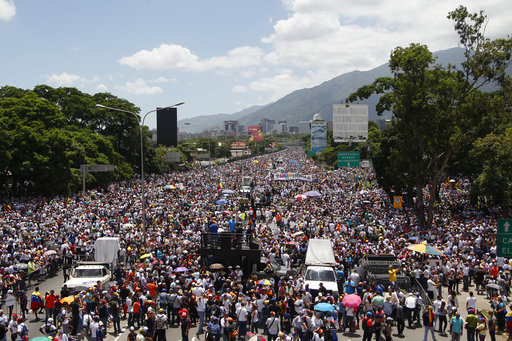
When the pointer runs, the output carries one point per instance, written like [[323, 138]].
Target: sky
[[217, 56]]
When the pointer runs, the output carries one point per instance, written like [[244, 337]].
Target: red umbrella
[[352, 301]]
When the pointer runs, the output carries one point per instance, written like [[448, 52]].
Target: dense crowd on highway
[[162, 282]]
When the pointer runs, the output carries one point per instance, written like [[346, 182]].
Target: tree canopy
[[438, 109]]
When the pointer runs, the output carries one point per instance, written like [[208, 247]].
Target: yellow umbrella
[[67, 300], [425, 248], [146, 255], [256, 161]]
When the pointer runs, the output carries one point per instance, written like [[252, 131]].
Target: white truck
[[320, 266], [87, 274]]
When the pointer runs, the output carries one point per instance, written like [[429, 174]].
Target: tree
[[434, 106]]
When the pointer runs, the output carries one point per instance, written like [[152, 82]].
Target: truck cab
[[87, 274]]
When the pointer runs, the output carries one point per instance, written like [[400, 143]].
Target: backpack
[[24, 332], [365, 323], [160, 324]]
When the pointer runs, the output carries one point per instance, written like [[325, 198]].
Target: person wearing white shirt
[[241, 315], [471, 301], [201, 310], [272, 325]]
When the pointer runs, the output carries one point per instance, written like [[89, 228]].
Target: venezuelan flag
[[323, 180]]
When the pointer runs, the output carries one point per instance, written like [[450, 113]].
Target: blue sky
[[218, 56]]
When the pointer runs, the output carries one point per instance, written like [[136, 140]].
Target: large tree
[[437, 109]]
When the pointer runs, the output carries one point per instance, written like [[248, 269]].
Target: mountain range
[[301, 105]]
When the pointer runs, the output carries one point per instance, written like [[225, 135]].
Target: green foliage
[[437, 110], [48, 133]]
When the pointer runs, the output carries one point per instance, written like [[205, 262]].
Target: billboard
[[318, 135], [255, 133], [167, 127], [350, 122]]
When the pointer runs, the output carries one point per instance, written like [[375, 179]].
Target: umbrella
[[146, 255], [68, 299], [188, 231], [264, 282], [425, 248], [324, 307], [181, 269], [313, 194], [221, 202], [127, 225], [228, 191], [49, 253], [494, 286], [216, 266], [254, 337], [352, 301], [298, 233], [300, 197], [291, 242], [452, 181], [41, 338]]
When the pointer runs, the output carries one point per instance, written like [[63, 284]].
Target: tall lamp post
[[143, 182]]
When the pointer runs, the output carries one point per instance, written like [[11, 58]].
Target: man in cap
[[185, 325], [471, 323], [160, 325], [456, 327]]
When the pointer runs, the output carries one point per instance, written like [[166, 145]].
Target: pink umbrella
[[352, 301]]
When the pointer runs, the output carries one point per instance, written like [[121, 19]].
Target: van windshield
[[320, 275]]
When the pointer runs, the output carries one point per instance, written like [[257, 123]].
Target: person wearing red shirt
[[50, 301], [136, 312], [152, 286]]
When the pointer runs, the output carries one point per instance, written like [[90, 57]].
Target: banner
[[397, 201], [318, 135], [255, 133], [292, 176]]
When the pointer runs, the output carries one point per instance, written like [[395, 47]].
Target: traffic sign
[[504, 238], [97, 168], [348, 159]]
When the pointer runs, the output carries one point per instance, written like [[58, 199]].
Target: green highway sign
[[504, 238], [348, 159]]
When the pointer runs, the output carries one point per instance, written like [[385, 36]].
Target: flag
[[220, 184], [397, 201], [323, 180]]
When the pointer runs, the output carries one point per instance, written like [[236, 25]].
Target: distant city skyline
[[218, 57]]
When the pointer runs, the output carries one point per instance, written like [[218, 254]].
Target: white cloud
[[240, 88], [140, 87], [101, 88], [175, 57], [7, 10], [66, 79], [70, 80]]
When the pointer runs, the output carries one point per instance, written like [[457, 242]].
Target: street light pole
[[143, 182]]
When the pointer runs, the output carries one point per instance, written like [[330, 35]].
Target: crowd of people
[[41, 235]]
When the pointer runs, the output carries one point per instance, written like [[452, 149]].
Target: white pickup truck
[[86, 275]]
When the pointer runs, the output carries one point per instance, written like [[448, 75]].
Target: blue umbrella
[[221, 202], [324, 307]]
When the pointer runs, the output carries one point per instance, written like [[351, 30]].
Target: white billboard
[[350, 122]]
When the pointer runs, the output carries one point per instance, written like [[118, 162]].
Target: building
[[267, 125]]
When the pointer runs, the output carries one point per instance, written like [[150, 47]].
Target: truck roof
[[320, 253]]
